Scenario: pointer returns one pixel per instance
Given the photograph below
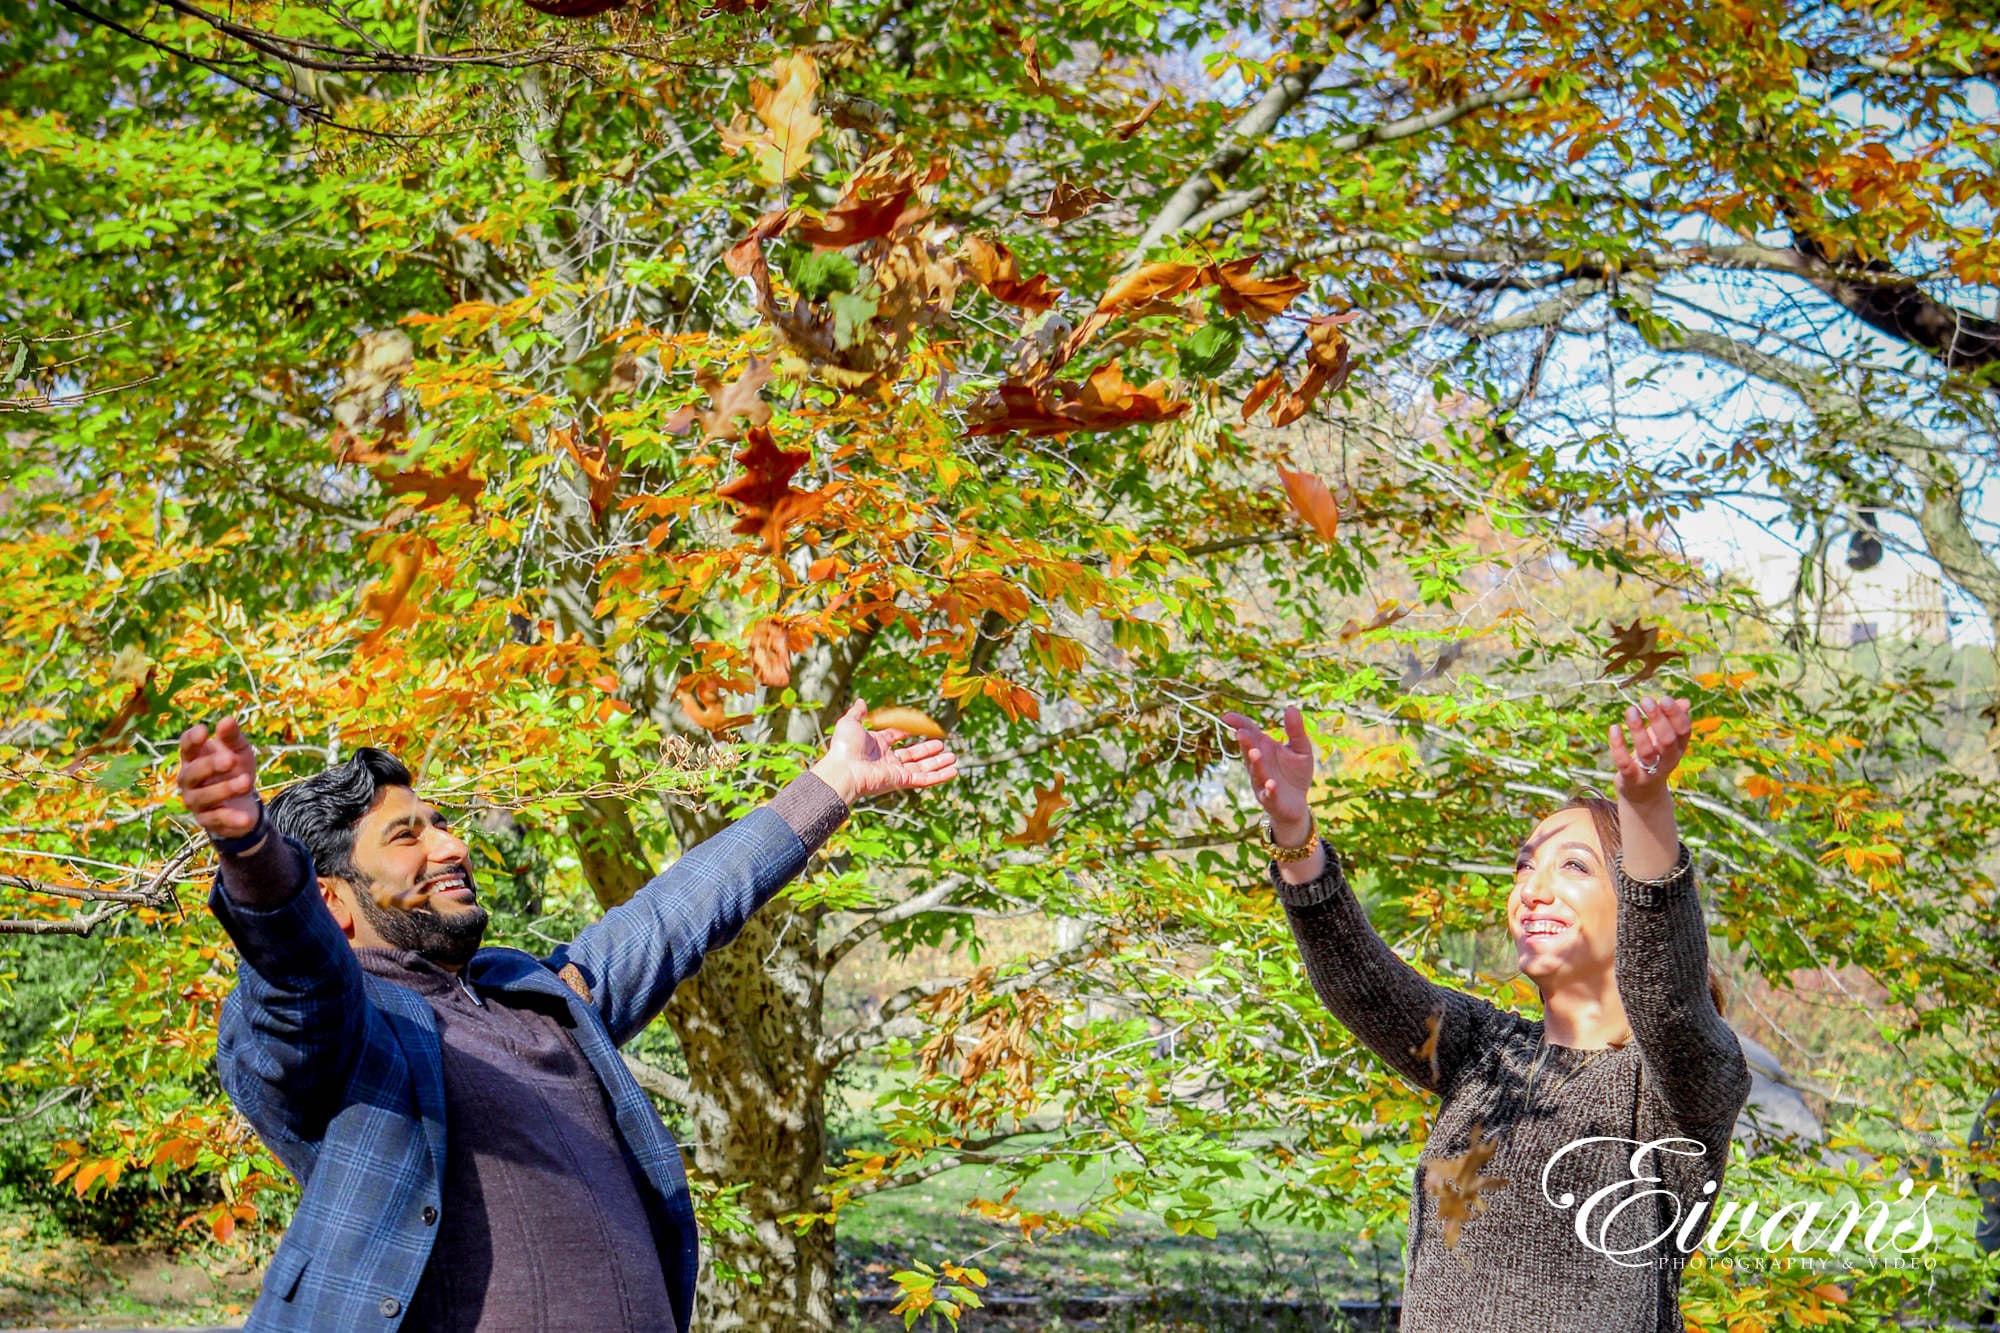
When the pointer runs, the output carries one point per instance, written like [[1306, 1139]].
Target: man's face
[[418, 893]]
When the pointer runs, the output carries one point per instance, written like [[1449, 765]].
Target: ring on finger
[[1650, 770]]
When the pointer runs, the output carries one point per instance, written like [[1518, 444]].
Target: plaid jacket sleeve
[[634, 958], [292, 1029]]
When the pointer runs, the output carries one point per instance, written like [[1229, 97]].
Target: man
[[472, 1150]]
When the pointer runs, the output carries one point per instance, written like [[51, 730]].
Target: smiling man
[[472, 1151]]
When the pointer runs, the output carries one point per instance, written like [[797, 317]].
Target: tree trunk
[[749, 1024]]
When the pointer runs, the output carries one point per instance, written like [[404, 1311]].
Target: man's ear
[[336, 903]]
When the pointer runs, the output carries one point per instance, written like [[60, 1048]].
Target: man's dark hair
[[321, 811]]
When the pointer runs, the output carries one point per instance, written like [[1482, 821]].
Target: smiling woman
[[1533, 1180]]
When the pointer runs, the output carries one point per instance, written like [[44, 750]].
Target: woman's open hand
[[1648, 747], [1280, 772]]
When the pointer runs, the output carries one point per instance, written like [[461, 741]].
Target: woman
[[1575, 1160]]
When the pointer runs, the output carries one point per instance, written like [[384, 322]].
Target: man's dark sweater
[[542, 1222], [1519, 1263]]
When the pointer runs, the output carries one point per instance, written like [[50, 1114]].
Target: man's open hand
[[218, 779], [860, 763]]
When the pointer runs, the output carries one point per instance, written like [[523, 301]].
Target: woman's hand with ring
[[1648, 747]]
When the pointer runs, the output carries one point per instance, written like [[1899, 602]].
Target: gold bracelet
[[1280, 853]]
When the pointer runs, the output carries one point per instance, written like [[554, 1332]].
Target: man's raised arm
[[292, 1028], [634, 958]]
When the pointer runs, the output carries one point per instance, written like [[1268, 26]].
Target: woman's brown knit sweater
[[1519, 1263]]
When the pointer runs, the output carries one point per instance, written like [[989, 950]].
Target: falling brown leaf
[[598, 467], [114, 735], [771, 652], [860, 216], [1138, 122], [998, 273], [907, 720], [737, 406], [783, 147], [766, 503], [1033, 59], [1429, 1049], [1459, 1185], [1386, 614], [387, 603], [701, 701], [1150, 282], [1312, 502], [373, 371], [1261, 391], [1069, 201], [1049, 801], [746, 258], [1104, 401], [1635, 647], [1328, 363], [1240, 292], [1416, 673]]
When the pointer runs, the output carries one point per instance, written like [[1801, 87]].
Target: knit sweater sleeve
[[1382, 1000], [1689, 1054]]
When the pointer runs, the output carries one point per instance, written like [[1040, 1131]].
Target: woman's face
[[1563, 911]]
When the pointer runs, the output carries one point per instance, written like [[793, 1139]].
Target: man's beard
[[447, 939]]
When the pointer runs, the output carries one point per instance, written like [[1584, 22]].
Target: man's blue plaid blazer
[[341, 1074]]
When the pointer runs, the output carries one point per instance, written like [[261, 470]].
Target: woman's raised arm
[[1689, 1053], [1424, 1031]]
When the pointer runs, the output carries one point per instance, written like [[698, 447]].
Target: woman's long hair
[[1604, 814]]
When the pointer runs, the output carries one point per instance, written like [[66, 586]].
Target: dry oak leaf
[[998, 274], [766, 503], [1049, 801], [1104, 401], [1138, 122], [907, 720], [1429, 1049], [1459, 1185], [1312, 501], [1635, 647], [1242, 293], [135, 706], [1386, 614], [1069, 201], [595, 460], [857, 218], [785, 108], [739, 401], [1148, 283], [700, 699], [1329, 360], [771, 652], [1261, 391], [387, 603]]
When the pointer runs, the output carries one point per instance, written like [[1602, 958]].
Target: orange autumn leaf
[[1329, 360], [1242, 293], [1049, 801], [1131, 127], [1428, 1051], [1312, 502], [1104, 401], [701, 702], [1387, 614], [1149, 283], [598, 467], [1459, 1185], [1069, 201], [858, 217], [784, 108], [387, 603], [771, 652], [911, 721], [1262, 391], [998, 274]]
